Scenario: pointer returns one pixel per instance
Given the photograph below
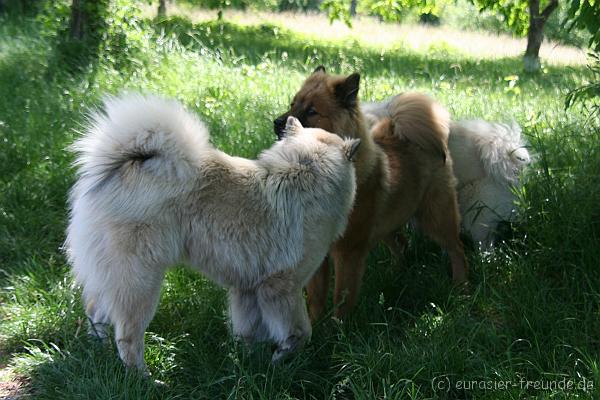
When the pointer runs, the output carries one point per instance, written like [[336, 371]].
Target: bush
[[20, 7], [112, 32], [589, 94], [586, 15]]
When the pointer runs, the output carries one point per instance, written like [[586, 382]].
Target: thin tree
[[162, 8], [88, 19], [535, 33], [524, 17], [78, 20], [353, 5]]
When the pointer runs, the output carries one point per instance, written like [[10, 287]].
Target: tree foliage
[[83, 31], [514, 12], [390, 10], [586, 15], [588, 94], [387, 10]]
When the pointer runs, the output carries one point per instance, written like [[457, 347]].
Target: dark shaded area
[[20, 7]]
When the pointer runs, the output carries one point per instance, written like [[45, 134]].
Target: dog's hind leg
[[317, 290], [284, 313], [439, 219], [130, 294]]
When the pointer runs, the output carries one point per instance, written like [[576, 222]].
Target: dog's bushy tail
[[421, 120], [136, 147]]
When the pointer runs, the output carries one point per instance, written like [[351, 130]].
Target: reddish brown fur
[[403, 170]]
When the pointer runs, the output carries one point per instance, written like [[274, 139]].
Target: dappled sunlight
[[370, 31]]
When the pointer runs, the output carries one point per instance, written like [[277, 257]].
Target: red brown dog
[[403, 170]]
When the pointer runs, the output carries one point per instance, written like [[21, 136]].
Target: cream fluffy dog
[[488, 160], [152, 192]]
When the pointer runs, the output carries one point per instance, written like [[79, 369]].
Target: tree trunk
[[162, 8], [353, 4], [77, 24], [535, 34]]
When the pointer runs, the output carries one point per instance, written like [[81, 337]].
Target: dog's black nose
[[279, 126]]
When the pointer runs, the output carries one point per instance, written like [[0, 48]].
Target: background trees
[[524, 17], [530, 18]]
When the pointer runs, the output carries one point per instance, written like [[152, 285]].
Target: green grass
[[533, 311]]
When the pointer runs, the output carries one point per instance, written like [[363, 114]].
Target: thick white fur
[[152, 192], [488, 159]]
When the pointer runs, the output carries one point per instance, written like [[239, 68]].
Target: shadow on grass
[[188, 348], [34, 166], [253, 44]]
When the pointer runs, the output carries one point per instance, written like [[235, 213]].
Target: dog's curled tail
[[136, 147], [421, 120]]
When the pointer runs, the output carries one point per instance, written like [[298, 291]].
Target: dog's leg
[[439, 219], [246, 319], [284, 313], [131, 297], [349, 270], [317, 290]]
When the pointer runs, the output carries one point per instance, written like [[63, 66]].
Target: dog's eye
[[311, 111]]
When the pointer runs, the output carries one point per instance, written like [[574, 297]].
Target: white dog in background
[[488, 159], [152, 193]]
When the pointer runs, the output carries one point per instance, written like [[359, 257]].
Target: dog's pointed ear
[[350, 148], [347, 90], [292, 126], [320, 69]]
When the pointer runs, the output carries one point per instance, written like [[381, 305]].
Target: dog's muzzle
[[279, 126]]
